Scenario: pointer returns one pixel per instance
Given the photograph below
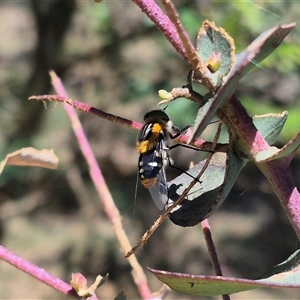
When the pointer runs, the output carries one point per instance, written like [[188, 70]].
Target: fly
[[153, 150]]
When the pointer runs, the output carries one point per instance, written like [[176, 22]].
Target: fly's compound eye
[[156, 115]]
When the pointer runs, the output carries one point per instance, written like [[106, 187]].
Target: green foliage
[[292, 123], [287, 275]]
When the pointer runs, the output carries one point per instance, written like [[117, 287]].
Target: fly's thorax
[[150, 135]]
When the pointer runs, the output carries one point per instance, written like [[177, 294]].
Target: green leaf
[[216, 48], [218, 178], [201, 285], [258, 50], [205, 197], [288, 265], [265, 44], [270, 125], [274, 153]]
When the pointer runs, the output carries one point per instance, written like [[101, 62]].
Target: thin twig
[[212, 251], [200, 144], [197, 65], [169, 30], [89, 109]]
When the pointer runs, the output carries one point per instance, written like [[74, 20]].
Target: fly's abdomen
[[152, 175], [150, 164]]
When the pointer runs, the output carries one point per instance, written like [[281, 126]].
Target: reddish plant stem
[[250, 140], [194, 61], [163, 23], [211, 248], [212, 251], [89, 109], [279, 175], [176, 36], [277, 172], [38, 273], [103, 191], [200, 144], [183, 36]]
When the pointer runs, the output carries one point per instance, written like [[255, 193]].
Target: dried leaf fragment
[[30, 157]]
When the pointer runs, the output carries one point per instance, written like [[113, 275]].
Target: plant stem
[[198, 143], [176, 35], [277, 171], [88, 109], [212, 251], [38, 273], [279, 175], [103, 191], [163, 23]]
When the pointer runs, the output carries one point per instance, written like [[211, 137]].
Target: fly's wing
[[159, 192]]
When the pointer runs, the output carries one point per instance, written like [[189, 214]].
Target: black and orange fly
[[153, 149]]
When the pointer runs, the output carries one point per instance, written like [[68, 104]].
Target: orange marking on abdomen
[[149, 182]]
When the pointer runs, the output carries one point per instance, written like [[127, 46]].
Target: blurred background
[[110, 56]]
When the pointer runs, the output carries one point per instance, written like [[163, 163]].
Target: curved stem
[[38, 273], [103, 191], [277, 171]]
